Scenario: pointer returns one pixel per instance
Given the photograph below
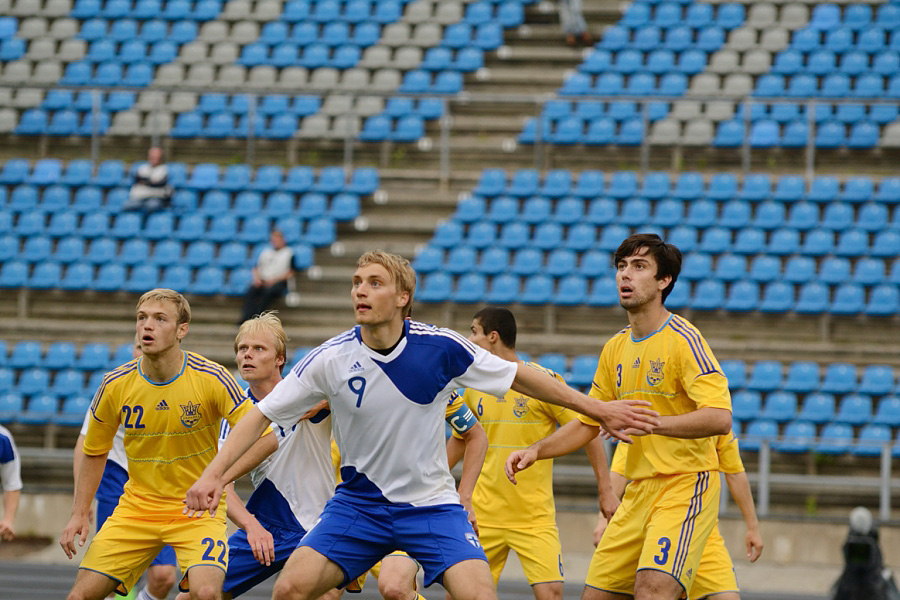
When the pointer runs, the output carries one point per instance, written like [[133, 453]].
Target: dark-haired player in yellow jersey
[[655, 540], [523, 517], [170, 403]]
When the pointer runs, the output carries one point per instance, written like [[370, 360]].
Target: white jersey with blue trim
[[388, 410], [10, 462], [292, 485], [117, 452]]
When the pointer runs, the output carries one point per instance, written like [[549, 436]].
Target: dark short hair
[[501, 320], [667, 256]]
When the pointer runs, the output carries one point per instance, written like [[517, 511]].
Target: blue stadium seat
[[765, 269], [736, 214], [840, 378], [36, 249], [709, 294], [715, 240], [25, 354], [883, 301], [503, 289], [40, 409], [849, 299], [736, 373], [68, 382], [802, 377], [684, 237], [877, 380], [869, 271], [799, 437], [746, 405], [428, 260], [887, 412], [33, 381], [872, 440], [93, 357], [572, 290], [852, 243], [470, 288], [493, 261], [78, 276], [730, 267], [766, 376], [141, 279], [72, 412], [854, 409], [777, 298], [817, 408], [813, 298], [60, 355], [604, 292], [758, 432], [459, 260], [780, 406]]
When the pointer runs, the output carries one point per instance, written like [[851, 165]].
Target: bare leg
[[470, 580], [590, 593], [723, 596], [306, 575], [160, 580], [552, 590], [91, 585], [205, 582], [656, 585], [397, 580]]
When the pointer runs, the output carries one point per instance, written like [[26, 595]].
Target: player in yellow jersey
[[170, 403], [715, 578], [396, 573], [522, 517], [654, 542]]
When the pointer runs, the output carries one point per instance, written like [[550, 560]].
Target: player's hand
[[322, 405], [470, 512], [519, 461], [608, 505], [203, 495], [261, 542], [619, 417], [600, 528], [754, 542], [7, 531], [79, 525]]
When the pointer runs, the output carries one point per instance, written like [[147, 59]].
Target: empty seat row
[[816, 407], [836, 85], [203, 176], [800, 437], [846, 39], [651, 37], [612, 83], [171, 10], [795, 134], [826, 62], [43, 409], [620, 185], [62, 355], [656, 61], [805, 377]]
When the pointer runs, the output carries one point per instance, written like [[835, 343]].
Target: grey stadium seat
[[16, 72], [243, 32], [235, 10], [737, 85], [27, 98], [354, 79], [426, 35], [375, 57], [385, 80], [719, 110], [292, 78], [704, 84], [25, 8], [126, 122], [64, 29], [8, 120], [213, 31], [741, 39], [169, 75], [448, 12], [756, 62], [344, 125], [685, 109], [47, 71], [150, 100], [224, 53], [231, 76], [723, 61], [57, 8], [890, 138], [180, 102], [199, 75], [266, 10], [72, 50], [5, 6], [313, 126], [336, 104], [193, 52], [367, 106], [33, 27], [41, 49], [395, 34], [761, 15], [407, 57], [6, 97], [157, 123], [794, 16], [261, 77], [698, 132], [418, 11], [666, 132], [324, 79]]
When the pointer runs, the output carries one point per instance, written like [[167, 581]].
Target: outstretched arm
[[596, 452], [568, 438], [617, 488], [703, 422], [615, 416], [10, 507], [739, 486], [207, 491]]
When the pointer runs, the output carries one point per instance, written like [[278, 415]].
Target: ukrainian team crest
[[521, 408], [655, 374], [190, 414]]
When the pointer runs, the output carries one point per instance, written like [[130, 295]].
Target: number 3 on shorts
[[210, 544], [663, 556]]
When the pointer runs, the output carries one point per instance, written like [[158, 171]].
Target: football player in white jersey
[[387, 382]]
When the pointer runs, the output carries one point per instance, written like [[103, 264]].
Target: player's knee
[[206, 592], [395, 589], [160, 581], [287, 589]]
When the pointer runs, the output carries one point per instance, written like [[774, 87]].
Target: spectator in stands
[[11, 481], [274, 267], [571, 18], [150, 190]]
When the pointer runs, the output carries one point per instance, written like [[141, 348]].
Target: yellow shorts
[[126, 545], [715, 575], [538, 550], [662, 524]]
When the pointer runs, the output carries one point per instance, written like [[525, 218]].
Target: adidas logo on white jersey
[[637, 363], [162, 405], [356, 368]]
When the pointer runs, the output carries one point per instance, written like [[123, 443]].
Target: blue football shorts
[[355, 534]]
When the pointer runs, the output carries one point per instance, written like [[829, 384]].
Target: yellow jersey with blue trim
[[727, 450], [512, 422], [171, 428], [674, 369]]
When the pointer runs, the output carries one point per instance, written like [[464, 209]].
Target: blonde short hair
[[401, 272], [182, 308], [267, 321]]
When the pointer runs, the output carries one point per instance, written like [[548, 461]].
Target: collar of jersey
[[650, 335], [183, 365], [384, 358]]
